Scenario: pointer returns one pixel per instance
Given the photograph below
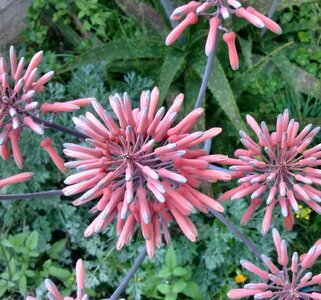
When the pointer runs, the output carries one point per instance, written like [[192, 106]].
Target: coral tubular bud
[[190, 19], [212, 35], [229, 39]]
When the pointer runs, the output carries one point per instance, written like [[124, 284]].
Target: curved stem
[[31, 195], [129, 275], [206, 78], [238, 233], [270, 14], [59, 127]]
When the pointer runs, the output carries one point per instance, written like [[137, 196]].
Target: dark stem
[[168, 7], [206, 76], [270, 14], [238, 233], [129, 275], [58, 127], [31, 195]]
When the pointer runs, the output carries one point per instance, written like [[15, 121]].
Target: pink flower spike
[[13, 60], [33, 125], [229, 39], [53, 292], [224, 12], [241, 293], [38, 85], [260, 165], [205, 6], [58, 107], [152, 180], [185, 9], [58, 161], [34, 63], [82, 102], [234, 3], [212, 34], [52, 289], [243, 13], [14, 136], [269, 24], [4, 152], [80, 278], [190, 19], [281, 282], [22, 177]]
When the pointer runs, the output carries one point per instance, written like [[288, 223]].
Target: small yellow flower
[[303, 213], [240, 278]]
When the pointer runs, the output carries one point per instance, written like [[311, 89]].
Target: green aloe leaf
[[243, 80], [298, 78], [221, 90], [170, 69], [119, 50]]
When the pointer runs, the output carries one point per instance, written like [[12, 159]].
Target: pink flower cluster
[[215, 10], [54, 294], [279, 169], [18, 89], [287, 282], [143, 168]]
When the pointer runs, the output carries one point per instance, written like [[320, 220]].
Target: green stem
[[6, 260]]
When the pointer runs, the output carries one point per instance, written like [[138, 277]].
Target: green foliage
[[176, 279], [97, 50]]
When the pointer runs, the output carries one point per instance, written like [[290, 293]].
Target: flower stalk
[[250, 245], [129, 275], [58, 127], [31, 195]]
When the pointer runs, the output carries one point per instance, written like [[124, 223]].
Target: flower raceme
[[54, 294], [279, 169], [293, 282], [143, 168], [215, 11], [18, 88]]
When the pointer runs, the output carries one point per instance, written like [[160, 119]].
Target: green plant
[[176, 279]]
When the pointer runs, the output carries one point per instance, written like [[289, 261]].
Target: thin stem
[[6, 260], [129, 275], [238, 233], [270, 14], [206, 78], [31, 195], [168, 7], [59, 127]]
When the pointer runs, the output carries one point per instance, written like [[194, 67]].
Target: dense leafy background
[[99, 47]]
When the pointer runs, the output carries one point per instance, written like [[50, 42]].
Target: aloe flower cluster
[[278, 170], [215, 11], [144, 169], [53, 292], [284, 282], [18, 88]]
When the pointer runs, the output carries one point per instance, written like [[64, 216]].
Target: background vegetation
[[97, 47]]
